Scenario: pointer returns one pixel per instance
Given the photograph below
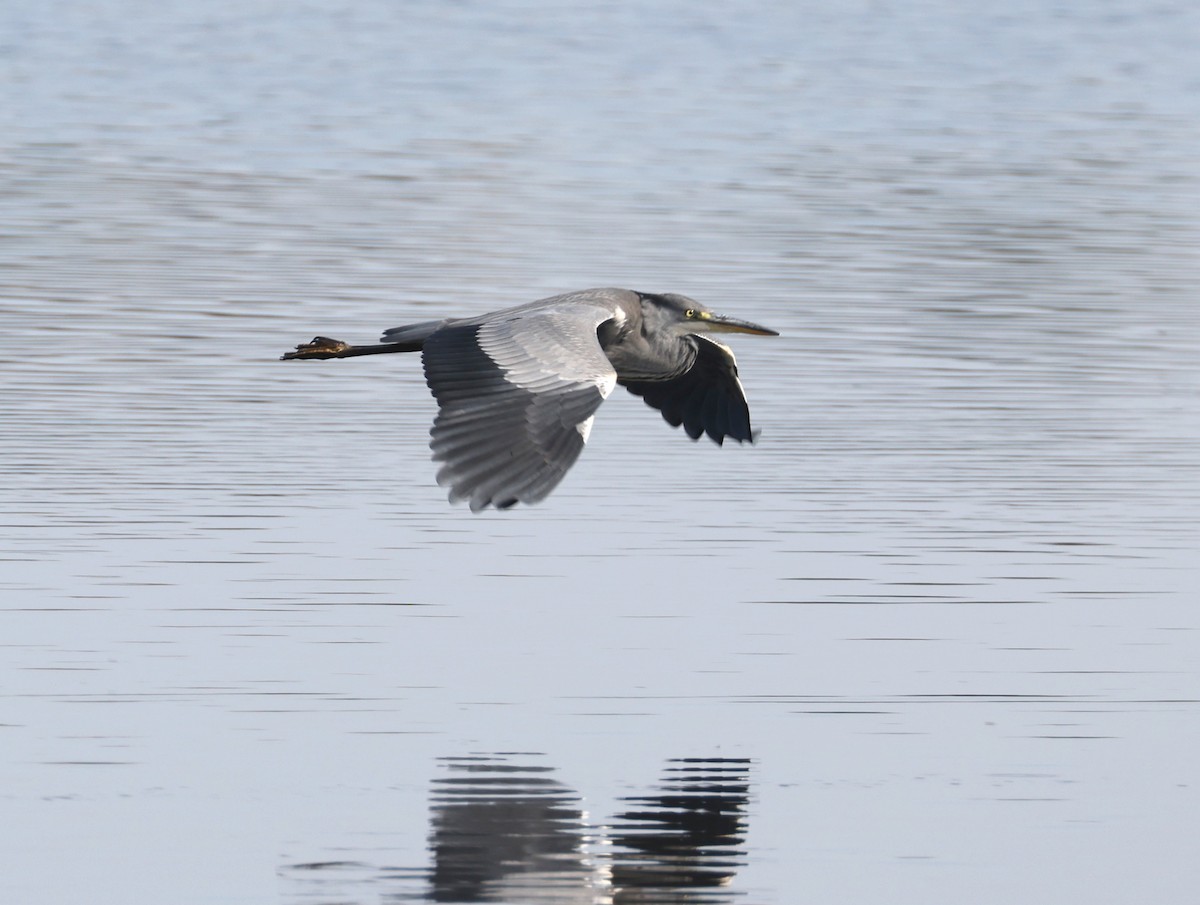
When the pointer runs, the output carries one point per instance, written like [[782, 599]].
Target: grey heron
[[517, 389]]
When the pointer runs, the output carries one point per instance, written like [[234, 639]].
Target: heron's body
[[517, 389]]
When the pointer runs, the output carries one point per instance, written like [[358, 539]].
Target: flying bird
[[517, 389]]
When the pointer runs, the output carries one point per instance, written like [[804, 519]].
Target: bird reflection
[[503, 830], [674, 845]]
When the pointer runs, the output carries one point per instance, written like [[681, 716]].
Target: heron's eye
[[691, 312]]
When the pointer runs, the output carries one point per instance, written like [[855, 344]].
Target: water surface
[[933, 639]]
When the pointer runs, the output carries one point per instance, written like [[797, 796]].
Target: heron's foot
[[320, 347]]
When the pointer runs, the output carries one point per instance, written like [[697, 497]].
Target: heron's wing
[[706, 399], [516, 393]]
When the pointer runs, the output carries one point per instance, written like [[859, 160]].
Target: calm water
[[935, 639]]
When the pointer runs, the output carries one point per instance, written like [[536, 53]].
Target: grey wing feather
[[708, 398], [516, 392]]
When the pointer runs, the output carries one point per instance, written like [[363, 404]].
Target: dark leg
[[324, 347]]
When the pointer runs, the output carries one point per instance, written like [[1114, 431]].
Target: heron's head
[[680, 315]]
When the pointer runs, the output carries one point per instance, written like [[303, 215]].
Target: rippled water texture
[[934, 639]]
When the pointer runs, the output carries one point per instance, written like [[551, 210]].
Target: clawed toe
[[320, 347]]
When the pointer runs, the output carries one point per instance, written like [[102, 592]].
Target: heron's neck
[[659, 357]]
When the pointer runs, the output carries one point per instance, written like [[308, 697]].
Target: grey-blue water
[[934, 639]]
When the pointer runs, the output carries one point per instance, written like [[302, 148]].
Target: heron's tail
[[413, 333]]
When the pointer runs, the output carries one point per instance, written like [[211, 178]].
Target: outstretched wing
[[706, 399], [516, 393]]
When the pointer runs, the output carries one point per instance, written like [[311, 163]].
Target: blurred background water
[[933, 639]]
